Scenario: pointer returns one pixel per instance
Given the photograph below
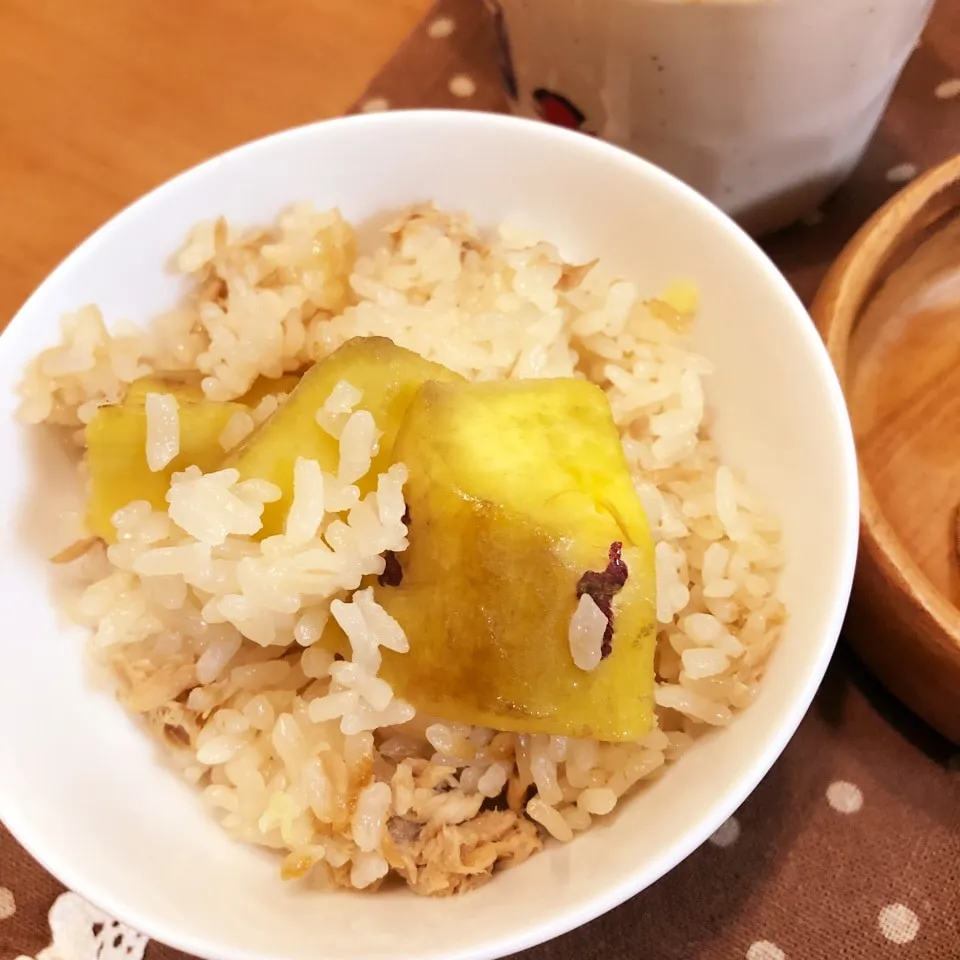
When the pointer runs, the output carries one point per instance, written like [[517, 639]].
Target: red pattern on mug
[[557, 109]]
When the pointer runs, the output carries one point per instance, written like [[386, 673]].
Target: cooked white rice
[[163, 429], [213, 635]]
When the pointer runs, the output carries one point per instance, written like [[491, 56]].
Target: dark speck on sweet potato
[[602, 587]]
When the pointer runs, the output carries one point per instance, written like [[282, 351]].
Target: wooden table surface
[[101, 100]]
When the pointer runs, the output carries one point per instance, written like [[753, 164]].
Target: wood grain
[[102, 100], [889, 311]]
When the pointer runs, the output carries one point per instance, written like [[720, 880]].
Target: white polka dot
[[898, 923], [8, 906], [902, 173], [948, 89], [727, 833], [765, 950], [375, 105], [844, 797], [440, 28], [462, 86]]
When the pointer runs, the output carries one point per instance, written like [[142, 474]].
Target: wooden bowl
[[889, 311]]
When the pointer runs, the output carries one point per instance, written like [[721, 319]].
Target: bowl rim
[[592, 904], [836, 310]]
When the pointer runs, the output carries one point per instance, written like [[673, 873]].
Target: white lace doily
[[79, 931]]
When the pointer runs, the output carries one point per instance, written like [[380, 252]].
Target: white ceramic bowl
[[81, 786]]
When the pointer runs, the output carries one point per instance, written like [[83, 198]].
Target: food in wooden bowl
[[889, 311]]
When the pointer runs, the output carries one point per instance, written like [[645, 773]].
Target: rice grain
[[163, 429]]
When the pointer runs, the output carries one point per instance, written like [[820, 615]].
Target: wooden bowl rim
[[848, 286]]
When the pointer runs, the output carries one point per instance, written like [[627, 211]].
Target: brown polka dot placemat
[[850, 848]]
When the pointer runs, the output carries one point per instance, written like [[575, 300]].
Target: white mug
[[764, 106]]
